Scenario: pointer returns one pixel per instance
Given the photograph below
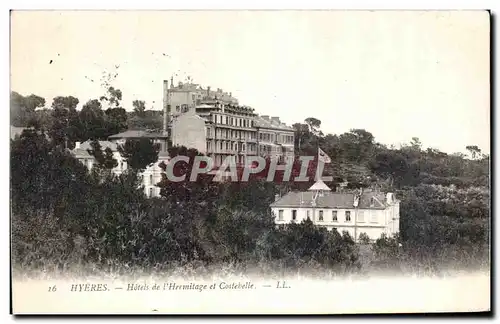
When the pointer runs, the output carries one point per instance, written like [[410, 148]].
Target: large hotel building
[[215, 123]]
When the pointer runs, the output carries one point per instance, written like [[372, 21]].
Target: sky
[[396, 74]]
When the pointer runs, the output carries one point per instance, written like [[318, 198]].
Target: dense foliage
[[63, 215]]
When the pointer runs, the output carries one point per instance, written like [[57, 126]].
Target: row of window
[[281, 138], [179, 108], [219, 158], [334, 216], [270, 149], [123, 164], [228, 133], [227, 145], [232, 121]]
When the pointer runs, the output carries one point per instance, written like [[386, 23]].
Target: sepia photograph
[[250, 162]]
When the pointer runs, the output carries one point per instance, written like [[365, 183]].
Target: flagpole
[[317, 165]]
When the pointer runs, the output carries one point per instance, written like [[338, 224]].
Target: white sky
[[396, 74]]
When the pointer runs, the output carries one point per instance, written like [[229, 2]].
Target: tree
[[139, 153], [307, 136], [105, 160], [43, 119], [236, 233], [356, 146], [92, 120], [390, 164], [112, 98], [139, 107], [314, 124], [22, 109], [65, 127], [152, 122], [116, 121], [203, 192], [363, 238], [415, 143], [43, 177], [302, 136], [68, 102]]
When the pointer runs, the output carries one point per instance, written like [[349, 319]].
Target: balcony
[[222, 151]]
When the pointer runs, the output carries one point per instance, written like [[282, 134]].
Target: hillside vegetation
[[66, 218]]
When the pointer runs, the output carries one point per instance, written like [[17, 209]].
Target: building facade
[[230, 129], [150, 176], [369, 212], [274, 138]]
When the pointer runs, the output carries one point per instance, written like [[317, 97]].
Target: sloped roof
[[82, 151], [263, 123], [331, 200]]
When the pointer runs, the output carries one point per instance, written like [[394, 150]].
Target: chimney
[[77, 145], [389, 198], [265, 117], [166, 113], [276, 119], [171, 82], [208, 91], [276, 197]]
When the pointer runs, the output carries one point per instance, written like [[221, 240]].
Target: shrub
[[364, 238]]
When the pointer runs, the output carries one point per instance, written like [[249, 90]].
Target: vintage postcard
[[250, 162]]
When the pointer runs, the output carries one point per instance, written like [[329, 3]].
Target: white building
[[369, 212], [150, 177]]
